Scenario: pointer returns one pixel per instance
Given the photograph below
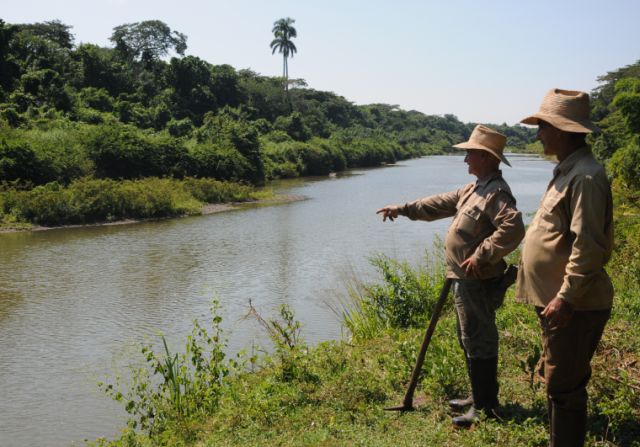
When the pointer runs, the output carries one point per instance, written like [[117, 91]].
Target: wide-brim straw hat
[[486, 139], [566, 110]]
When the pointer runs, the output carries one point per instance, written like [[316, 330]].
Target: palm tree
[[284, 32]]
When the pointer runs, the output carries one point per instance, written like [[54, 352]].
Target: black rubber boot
[[568, 426], [484, 388], [462, 403]]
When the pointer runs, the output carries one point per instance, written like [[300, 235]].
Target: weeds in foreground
[[177, 387], [334, 393]]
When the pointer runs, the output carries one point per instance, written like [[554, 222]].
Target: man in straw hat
[[562, 268], [486, 227]]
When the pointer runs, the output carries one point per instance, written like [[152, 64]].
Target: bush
[[222, 163], [179, 128], [12, 116], [293, 158], [294, 126], [213, 191], [96, 98], [230, 133], [625, 165], [59, 146], [404, 299], [18, 161], [124, 152]]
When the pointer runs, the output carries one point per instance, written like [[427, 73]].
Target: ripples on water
[[74, 302]]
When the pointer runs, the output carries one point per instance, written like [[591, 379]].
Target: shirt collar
[[482, 182], [565, 165]]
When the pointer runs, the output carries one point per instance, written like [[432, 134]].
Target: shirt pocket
[[551, 212], [468, 223]]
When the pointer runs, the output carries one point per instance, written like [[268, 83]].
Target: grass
[[333, 394]]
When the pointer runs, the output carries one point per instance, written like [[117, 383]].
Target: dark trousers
[[567, 370], [476, 302]]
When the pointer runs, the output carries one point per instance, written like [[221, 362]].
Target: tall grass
[[403, 299]]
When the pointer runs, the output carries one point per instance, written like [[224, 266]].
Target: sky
[[483, 61]]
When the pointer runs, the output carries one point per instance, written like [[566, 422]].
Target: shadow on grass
[[516, 413], [625, 434]]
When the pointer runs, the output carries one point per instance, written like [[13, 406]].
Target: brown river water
[[76, 302]]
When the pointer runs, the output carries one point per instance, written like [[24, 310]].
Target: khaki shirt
[[570, 238], [486, 224]]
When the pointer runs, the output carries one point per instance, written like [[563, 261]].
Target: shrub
[[294, 126], [174, 387], [11, 115], [96, 98], [625, 165], [404, 299], [120, 151], [179, 128], [19, 161], [222, 163], [230, 132], [214, 191]]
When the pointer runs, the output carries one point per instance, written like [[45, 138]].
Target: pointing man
[[486, 227]]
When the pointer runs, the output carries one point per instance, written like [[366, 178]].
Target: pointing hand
[[390, 211]]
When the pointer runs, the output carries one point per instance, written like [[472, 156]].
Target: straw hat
[[566, 110], [486, 139]]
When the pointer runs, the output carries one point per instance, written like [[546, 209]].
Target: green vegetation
[[121, 113], [334, 393], [88, 200]]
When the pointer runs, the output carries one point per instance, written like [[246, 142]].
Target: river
[[75, 302]]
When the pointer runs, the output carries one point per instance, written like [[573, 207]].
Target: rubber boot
[[568, 427], [550, 415], [484, 388], [462, 403]]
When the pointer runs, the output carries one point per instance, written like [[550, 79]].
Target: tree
[[284, 32], [8, 68], [193, 93], [54, 31], [101, 68], [147, 41]]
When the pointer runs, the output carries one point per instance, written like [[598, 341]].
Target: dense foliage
[[71, 111]]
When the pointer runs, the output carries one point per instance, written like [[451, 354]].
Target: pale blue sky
[[484, 61]]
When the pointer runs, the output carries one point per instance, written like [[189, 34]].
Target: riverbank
[[209, 208], [89, 201], [100, 202], [335, 393]]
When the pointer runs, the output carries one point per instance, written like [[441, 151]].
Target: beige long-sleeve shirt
[[570, 238], [486, 224]]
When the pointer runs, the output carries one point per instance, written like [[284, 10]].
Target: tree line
[[141, 108]]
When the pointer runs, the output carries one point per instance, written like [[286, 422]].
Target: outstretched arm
[[428, 208]]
